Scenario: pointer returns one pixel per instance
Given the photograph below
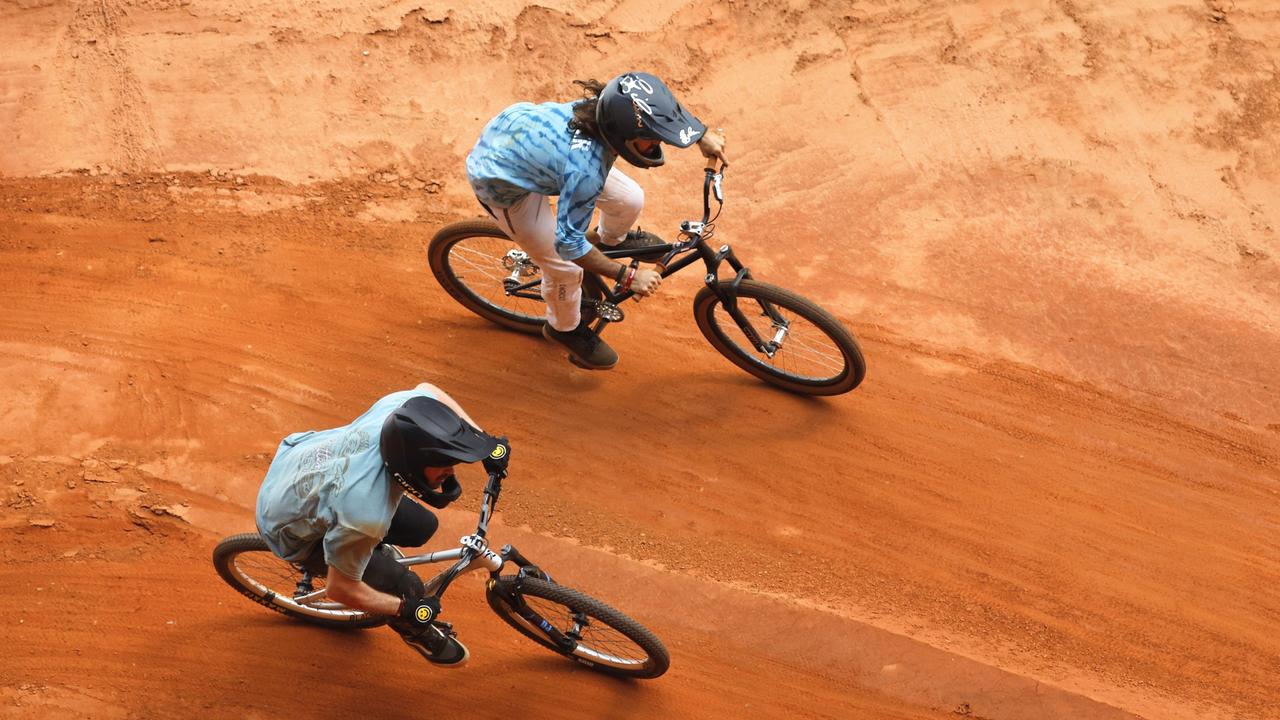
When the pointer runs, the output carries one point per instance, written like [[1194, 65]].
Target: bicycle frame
[[679, 255], [473, 554]]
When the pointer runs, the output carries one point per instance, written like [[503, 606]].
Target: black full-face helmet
[[422, 433], [638, 106]]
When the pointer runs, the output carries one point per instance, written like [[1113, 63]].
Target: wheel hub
[[517, 263]]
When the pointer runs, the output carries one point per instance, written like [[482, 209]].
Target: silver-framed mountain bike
[[559, 618], [772, 333]]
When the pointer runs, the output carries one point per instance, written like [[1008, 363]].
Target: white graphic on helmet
[[627, 84], [687, 135]]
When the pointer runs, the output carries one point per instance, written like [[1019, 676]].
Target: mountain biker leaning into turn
[[333, 501], [529, 152]]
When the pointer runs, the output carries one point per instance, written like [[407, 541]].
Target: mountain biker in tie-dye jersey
[[530, 152]]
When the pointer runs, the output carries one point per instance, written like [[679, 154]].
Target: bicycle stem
[[491, 491]]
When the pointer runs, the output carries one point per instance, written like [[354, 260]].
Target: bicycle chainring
[[608, 311]]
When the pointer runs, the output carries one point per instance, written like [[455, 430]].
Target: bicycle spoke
[[484, 263], [477, 263], [596, 640], [806, 351]]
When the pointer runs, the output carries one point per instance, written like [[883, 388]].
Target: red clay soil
[[1050, 225]]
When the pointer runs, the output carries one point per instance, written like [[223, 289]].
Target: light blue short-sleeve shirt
[[529, 148], [330, 487]]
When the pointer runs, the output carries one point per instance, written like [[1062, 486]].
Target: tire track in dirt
[[96, 73]]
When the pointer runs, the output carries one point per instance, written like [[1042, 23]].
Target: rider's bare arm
[[712, 145], [453, 405], [645, 283], [356, 594], [596, 262]]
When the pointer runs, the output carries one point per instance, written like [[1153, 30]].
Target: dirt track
[[1051, 226]]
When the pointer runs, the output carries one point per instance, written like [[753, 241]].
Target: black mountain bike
[[772, 333], [560, 619]]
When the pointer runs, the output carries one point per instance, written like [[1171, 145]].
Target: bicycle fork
[[568, 640], [728, 294]]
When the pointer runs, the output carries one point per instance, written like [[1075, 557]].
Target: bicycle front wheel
[[249, 566], [473, 259], [807, 350], [578, 627]]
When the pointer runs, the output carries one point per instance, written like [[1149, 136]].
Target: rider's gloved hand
[[646, 281], [498, 459], [419, 613]]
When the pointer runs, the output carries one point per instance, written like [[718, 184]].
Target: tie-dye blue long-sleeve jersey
[[529, 148]]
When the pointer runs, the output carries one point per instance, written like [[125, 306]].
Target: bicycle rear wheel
[[472, 259], [813, 354], [249, 566], [578, 627]]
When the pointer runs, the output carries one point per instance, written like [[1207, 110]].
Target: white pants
[[532, 225]]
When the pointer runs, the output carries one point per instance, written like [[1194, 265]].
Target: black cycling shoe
[[636, 240], [435, 643], [586, 349]]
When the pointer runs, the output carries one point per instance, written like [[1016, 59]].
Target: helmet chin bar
[[449, 491], [640, 159]]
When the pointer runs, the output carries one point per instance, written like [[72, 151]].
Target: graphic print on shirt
[[549, 159], [318, 462]]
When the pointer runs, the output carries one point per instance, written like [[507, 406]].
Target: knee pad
[[383, 573]]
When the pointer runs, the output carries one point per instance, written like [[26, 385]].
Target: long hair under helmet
[[638, 106], [422, 433]]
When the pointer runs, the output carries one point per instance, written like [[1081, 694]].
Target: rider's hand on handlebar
[[498, 459], [711, 144], [420, 612], [646, 282]]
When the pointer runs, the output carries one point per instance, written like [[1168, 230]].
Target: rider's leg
[[436, 641], [532, 225], [620, 203], [385, 574], [412, 525]]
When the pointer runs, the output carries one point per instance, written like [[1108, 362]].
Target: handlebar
[[491, 491]]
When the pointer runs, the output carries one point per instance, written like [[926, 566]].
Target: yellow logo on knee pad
[[423, 613]]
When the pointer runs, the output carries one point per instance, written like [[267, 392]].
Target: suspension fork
[[728, 294], [515, 600]]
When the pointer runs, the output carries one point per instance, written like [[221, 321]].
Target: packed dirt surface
[[1051, 225]]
